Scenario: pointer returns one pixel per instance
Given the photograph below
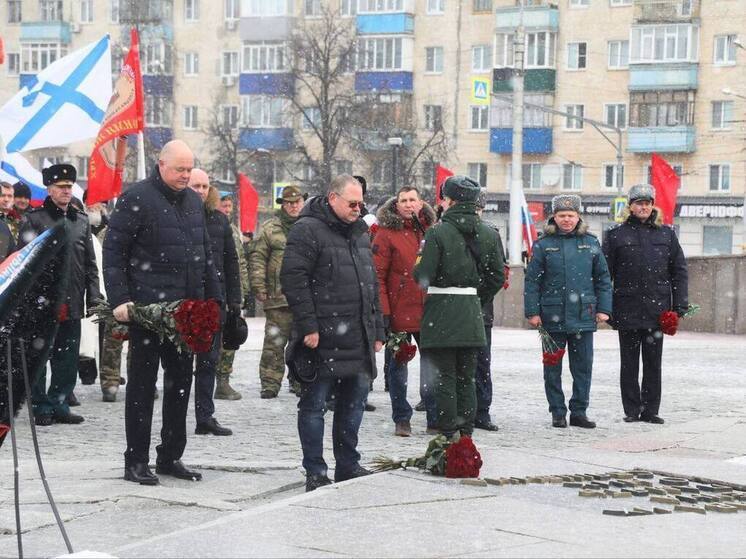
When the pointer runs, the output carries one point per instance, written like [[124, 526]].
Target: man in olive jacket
[[331, 287], [568, 291], [265, 259], [461, 267], [649, 272]]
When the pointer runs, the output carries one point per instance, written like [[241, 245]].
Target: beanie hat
[[21, 190], [461, 189], [566, 202], [641, 192]]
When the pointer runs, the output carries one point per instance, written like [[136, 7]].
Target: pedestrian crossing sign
[[480, 91], [277, 191], [618, 206]]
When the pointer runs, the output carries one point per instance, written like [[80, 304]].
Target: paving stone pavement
[[251, 502]]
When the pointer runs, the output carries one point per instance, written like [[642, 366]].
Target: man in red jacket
[[402, 222]]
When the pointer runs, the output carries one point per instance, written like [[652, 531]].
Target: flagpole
[[516, 184], [140, 156]]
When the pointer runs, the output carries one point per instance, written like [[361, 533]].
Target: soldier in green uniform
[[223, 389], [265, 260], [461, 267]]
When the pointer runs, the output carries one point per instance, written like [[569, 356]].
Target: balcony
[[535, 140], [383, 81], [665, 11], [274, 139], [650, 77], [544, 18], [537, 79], [266, 84], [146, 13], [661, 139], [385, 24], [267, 28], [48, 31]]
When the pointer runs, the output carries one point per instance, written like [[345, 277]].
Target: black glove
[[234, 309]]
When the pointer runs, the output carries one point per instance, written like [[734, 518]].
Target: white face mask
[[94, 218]]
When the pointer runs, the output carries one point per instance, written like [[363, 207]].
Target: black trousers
[[142, 372], [483, 378], [645, 401]]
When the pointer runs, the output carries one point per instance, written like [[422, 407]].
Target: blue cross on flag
[[64, 103]]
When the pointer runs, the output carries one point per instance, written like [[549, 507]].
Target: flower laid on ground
[[189, 324], [669, 320], [453, 458], [551, 353], [398, 343]]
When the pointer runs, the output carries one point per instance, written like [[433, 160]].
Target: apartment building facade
[[668, 73]]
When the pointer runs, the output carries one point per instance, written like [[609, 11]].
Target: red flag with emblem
[[124, 116], [248, 204], [441, 174], [666, 183]]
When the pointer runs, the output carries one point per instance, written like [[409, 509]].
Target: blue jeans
[[580, 353], [483, 379], [350, 394], [398, 374]]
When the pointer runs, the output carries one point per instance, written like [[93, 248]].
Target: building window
[[540, 49], [348, 7], [480, 117], [114, 11], [574, 120], [191, 121], [312, 8], [156, 58], [191, 10], [615, 114], [482, 6], [229, 117], [263, 111], [229, 64], [661, 108], [611, 178], [264, 57], [576, 55], [427, 171], [86, 11], [580, 3], [191, 63], [664, 43], [620, 3], [15, 12], [381, 173], [481, 58], [433, 117], [158, 110], [725, 50], [232, 9], [82, 168], [342, 167], [618, 55], [572, 176], [259, 8], [434, 60], [50, 10], [720, 177], [379, 53], [722, 114], [436, 6], [501, 114], [478, 172], [14, 63], [717, 239], [380, 6], [504, 50], [532, 176], [37, 56], [311, 118]]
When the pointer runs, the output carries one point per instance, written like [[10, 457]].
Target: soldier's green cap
[[291, 193]]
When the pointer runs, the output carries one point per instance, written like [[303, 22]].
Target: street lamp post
[[395, 142]]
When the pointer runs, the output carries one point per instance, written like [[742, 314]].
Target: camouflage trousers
[[276, 334], [111, 359], [225, 362]]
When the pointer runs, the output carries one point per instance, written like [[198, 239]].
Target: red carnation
[[669, 322], [405, 353], [463, 459], [552, 358]]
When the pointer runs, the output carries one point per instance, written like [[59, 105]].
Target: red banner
[[666, 183], [441, 174], [123, 116], [248, 204]]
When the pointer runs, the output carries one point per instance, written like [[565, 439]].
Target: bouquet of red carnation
[[669, 320], [453, 458], [398, 343], [190, 324], [551, 353]]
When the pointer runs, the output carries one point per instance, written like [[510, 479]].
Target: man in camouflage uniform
[[265, 260], [223, 389]]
